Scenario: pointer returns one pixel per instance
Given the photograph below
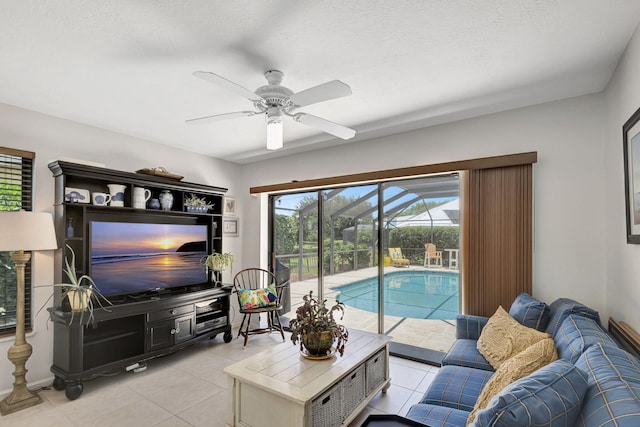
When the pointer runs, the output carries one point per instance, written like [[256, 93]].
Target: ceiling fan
[[276, 101]]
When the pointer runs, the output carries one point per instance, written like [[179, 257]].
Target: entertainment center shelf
[[144, 321]]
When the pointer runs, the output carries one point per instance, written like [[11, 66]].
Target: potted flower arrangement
[[316, 329], [219, 262], [80, 292], [197, 204]]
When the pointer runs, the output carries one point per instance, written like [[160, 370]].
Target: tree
[[331, 205], [286, 234]]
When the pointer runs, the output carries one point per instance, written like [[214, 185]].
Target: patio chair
[[397, 259], [258, 292], [430, 253]]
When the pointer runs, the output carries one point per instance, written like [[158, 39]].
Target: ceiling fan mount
[[273, 94], [275, 100]]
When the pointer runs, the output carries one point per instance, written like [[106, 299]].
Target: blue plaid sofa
[[594, 382]]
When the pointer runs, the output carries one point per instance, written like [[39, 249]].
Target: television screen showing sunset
[[131, 257]]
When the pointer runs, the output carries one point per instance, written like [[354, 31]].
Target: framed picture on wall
[[631, 149], [230, 227], [229, 206]]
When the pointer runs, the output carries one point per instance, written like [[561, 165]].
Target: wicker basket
[[352, 391], [375, 370], [326, 410]]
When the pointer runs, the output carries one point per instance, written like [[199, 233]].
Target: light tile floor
[[188, 388]]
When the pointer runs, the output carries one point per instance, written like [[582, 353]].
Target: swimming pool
[[416, 294]]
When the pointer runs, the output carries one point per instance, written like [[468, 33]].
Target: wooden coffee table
[[280, 387]]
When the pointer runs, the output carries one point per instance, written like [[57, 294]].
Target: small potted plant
[[197, 204], [80, 292], [316, 329], [219, 262]]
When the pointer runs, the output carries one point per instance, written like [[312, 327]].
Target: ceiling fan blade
[[325, 125], [209, 119], [324, 92], [229, 85]]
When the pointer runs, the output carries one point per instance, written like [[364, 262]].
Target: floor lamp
[[23, 231]]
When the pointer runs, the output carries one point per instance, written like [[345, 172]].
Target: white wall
[[622, 283], [568, 180], [50, 138]]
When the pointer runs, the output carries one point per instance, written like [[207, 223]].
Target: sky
[[111, 238]]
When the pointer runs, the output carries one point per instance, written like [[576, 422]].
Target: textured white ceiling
[[127, 65]]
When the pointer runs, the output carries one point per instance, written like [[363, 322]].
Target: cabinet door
[[159, 334], [168, 332], [184, 327]]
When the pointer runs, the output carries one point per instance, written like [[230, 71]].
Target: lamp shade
[[28, 231]]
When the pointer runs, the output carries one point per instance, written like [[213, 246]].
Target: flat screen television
[[131, 257]]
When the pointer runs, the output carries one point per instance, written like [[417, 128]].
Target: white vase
[[79, 300], [166, 200]]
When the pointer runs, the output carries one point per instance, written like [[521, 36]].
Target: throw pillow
[[530, 312], [264, 297], [613, 391], [577, 334], [503, 337], [562, 307], [522, 364], [551, 396]]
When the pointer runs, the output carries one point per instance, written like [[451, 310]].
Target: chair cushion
[[456, 387], [503, 337], [551, 396], [465, 353], [562, 307], [522, 364], [437, 416], [578, 333], [613, 392], [530, 312], [263, 297]]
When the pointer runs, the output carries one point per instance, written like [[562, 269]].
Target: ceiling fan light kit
[[275, 100], [274, 129]]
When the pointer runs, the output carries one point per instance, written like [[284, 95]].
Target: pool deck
[[426, 333]]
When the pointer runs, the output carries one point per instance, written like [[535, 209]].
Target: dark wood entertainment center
[[138, 327]]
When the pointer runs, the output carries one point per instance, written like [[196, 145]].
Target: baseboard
[[31, 385]]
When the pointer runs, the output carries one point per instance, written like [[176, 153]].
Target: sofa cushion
[[469, 326], [503, 337], [437, 416], [613, 392], [456, 387], [465, 353], [551, 396], [530, 312], [522, 364], [576, 334], [562, 307]]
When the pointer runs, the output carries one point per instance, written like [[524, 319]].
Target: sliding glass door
[[366, 246]]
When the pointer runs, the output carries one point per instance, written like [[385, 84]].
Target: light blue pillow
[[551, 396], [613, 395], [562, 307], [578, 333], [530, 312]]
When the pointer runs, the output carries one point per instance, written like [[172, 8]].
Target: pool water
[[416, 294]]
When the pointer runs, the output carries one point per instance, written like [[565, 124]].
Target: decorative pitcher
[[140, 197], [117, 194]]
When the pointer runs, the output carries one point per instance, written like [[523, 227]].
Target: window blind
[[16, 193]]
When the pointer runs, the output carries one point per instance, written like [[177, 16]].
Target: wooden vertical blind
[[497, 244]]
